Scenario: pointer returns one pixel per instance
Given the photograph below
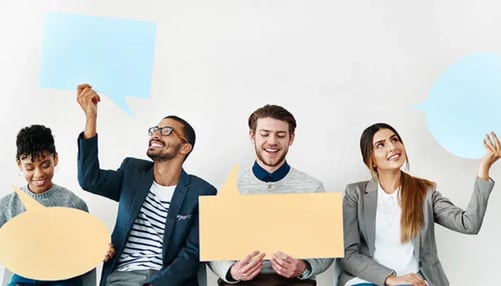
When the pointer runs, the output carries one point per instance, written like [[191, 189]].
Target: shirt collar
[[263, 175]]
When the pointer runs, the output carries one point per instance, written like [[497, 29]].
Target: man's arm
[[91, 178], [88, 99], [318, 266]]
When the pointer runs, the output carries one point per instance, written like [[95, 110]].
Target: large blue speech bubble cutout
[[464, 104], [114, 55]]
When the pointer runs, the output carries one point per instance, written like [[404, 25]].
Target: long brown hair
[[412, 189]]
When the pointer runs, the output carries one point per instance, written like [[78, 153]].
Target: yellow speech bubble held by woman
[[52, 243]]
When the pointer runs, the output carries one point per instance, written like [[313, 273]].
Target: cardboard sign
[[306, 225], [52, 243]]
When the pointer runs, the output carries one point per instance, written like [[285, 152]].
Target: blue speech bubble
[[115, 56], [464, 103]]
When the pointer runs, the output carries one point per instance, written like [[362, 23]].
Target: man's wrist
[[306, 272], [229, 277]]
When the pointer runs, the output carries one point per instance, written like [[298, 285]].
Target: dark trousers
[[272, 280]]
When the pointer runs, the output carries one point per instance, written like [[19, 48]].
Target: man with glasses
[[156, 231]]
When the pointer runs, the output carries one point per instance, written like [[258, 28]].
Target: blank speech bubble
[[115, 55], [305, 225], [52, 243], [463, 104]]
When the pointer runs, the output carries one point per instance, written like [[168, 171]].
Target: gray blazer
[[359, 213]]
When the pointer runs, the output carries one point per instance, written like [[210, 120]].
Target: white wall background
[[337, 65]]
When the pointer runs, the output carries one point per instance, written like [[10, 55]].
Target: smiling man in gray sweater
[[271, 130]]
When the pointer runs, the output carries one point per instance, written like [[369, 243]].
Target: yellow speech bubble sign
[[52, 243], [306, 225]]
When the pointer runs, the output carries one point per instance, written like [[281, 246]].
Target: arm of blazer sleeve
[[221, 268], [355, 262], [185, 266], [465, 221], [91, 178], [318, 266]]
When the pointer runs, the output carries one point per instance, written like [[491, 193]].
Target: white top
[[389, 251], [145, 243]]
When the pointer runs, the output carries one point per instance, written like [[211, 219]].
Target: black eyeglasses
[[166, 131]]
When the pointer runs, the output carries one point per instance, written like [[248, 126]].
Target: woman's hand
[[493, 148], [411, 279]]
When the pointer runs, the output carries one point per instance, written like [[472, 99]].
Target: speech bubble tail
[[28, 202], [122, 103], [229, 187]]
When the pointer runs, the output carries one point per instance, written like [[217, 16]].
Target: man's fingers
[[81, 87]]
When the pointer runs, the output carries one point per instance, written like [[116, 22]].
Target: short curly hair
[[33, 141]]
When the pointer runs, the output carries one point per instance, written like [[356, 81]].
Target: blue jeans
[[18, 280]]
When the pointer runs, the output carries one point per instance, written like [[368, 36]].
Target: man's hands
[[283, 264], [88, 99], [287, 266], [248, 268]]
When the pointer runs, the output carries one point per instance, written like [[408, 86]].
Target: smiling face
[[388, 151], [38, 172], [271, 141], [162, 148]]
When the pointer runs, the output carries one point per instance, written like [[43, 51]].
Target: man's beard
[[268, 163], [160, 156]]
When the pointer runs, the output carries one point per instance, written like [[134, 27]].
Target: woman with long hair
[[389, 220]]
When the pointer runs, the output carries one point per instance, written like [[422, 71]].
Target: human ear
[[186, 148], [252, 136], [291, 138], [56, 159]]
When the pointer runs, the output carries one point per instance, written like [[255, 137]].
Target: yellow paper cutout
[[52, 243], [306, 225]]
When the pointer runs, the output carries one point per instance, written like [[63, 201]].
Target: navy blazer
[[129, 186]]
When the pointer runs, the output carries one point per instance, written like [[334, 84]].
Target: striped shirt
[[144, 246]]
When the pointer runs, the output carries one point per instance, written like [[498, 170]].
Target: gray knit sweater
[[294, 182], [57, 196]]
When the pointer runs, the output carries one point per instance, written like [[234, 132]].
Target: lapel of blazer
[[370, 201], [176, 203], [140, 191]]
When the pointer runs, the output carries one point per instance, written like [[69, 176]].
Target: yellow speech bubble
[[52, 243], [306, 225]]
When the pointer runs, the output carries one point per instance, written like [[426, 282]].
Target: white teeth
[[394, 157], [39, 182], [153, 144], [271, 150]]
